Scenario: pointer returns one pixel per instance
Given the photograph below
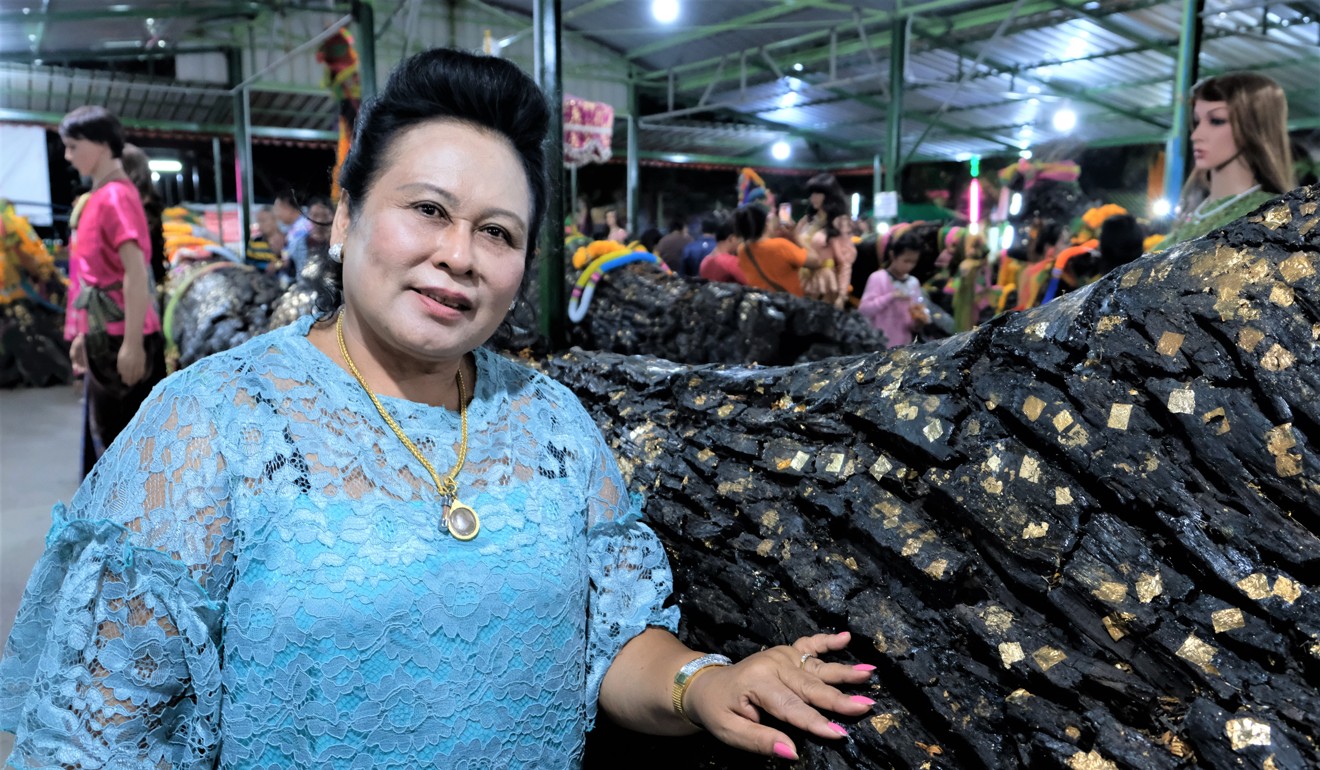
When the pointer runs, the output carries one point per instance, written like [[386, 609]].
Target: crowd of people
[[365, 535], [915, 280]]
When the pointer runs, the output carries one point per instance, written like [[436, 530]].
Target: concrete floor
[[40, 437]]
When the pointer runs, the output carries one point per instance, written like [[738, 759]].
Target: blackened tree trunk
[[637, 310], [1085, 536]]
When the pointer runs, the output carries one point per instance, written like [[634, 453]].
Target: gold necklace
[[460, 519]]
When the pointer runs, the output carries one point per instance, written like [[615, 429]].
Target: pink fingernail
[[862, 699], [838, 728], [863, 667], [785, 751]]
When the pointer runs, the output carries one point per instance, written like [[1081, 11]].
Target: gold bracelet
[[683, 679]]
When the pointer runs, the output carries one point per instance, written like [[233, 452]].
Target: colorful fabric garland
[[585, 288]]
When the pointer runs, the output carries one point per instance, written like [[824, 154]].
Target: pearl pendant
[[462, 521]]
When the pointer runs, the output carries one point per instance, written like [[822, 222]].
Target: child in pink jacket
[[893, 300]]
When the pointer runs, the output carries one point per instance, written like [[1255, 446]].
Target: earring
[[336, 252]]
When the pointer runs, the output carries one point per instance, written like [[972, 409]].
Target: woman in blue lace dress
[[364, 541]]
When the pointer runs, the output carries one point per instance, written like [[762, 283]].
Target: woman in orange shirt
[[769, 262]]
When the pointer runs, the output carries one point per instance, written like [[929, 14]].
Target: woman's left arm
[[132, 361], [787, 682]]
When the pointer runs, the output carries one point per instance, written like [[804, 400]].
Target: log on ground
[[637, 310], [1084, 536]]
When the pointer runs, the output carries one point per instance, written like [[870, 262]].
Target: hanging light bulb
[[664, 11]]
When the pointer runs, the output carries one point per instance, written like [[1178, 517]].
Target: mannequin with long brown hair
[[1241, 150]]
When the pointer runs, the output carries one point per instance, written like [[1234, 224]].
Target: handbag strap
[[752, 257]]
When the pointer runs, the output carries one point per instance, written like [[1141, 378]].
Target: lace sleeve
[[630, 577], [113, 658]]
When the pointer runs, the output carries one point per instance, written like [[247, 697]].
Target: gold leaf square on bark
[[1169, 343], [1182, 401], [1229, 619]]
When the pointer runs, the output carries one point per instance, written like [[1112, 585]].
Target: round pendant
[[462, 521]]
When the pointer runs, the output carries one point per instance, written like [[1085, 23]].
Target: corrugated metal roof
[[982, 76]]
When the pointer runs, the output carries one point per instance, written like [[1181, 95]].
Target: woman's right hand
[[78, 355]]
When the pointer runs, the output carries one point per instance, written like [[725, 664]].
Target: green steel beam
[[1054, 88], [740, 22], [957, 22], [364, 19], [547, 42], [634, 175], [53, 119], [1189, 54], [585, 8], [894, 121], [111, 11], [883, 106], [89, 54], [1101, 20]]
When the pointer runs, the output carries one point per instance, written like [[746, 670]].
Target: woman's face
[[320, 216], [434, 255], [83, 154], [611, 219], [903, 263], [817, 200], [1213, 144]]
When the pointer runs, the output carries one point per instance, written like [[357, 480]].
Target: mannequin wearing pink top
[[111, 323]]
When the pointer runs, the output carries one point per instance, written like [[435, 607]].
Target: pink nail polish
[[863, 667], [862, 699], [838, 728], [785, 751]]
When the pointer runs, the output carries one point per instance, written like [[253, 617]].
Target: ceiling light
[[781, 151], [664, 11], [788, 100], [1015, 203], [165, 166], [1033, 101], [36, 62], [1033, 89], [1025, 155], [1160, 208], [1065, 120], [797, 66]]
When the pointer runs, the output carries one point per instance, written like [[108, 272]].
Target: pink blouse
[[112, 217]]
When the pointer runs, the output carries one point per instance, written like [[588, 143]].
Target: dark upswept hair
[[485, 92], [94, 124]]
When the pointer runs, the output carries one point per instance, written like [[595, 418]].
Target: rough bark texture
[[1085, 536], [219, 309], [640, 311]]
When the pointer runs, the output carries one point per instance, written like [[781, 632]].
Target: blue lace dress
[[255, 576]]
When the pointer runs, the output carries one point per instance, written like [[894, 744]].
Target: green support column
[[1189, 55], [634, 158], [242, 149], [365, 19], [877, 184], [219, 188], [548, 65], [894, 122]]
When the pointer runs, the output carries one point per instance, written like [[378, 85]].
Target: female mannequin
[[1241, 149]]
